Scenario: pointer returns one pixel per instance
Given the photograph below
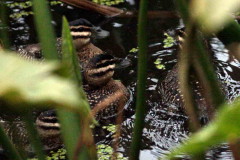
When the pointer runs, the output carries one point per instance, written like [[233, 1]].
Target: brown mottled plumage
[[47, 126], [107, 101]]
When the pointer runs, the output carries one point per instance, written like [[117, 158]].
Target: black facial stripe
[[80, 21], [107, 63], [49, 127], [101, 57], [81, 37], [80, 29], [53, 120], [101, 73]]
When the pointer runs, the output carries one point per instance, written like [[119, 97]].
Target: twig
[[116, 12], [184, 66], [105, 10]]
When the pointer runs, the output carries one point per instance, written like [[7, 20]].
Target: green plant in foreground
[[225, 125]]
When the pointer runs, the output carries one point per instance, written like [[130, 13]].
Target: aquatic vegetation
[[224, 128], [159, 64], [134, 50], [111, 128], [105, 152], [168, 41], [24, 7], [109, 2]]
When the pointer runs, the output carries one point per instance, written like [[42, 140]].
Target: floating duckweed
[[111, 128], [53, 3], [20, 5], [168, 41], [60, 154], [134, 50], [25, 5], [108, 2], [159, 64], [105, 153], [20, 14]]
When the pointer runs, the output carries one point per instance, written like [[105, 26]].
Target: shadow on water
[[166, 124]]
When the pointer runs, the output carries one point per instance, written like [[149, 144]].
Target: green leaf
[[70, 122], [225, 127], [213, 14], [7, 145], [45, 30], [33, 83]]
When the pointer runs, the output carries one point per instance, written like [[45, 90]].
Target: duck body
[[47, 127], [169, 91], [107, 101]]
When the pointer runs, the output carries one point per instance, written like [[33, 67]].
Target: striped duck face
[[47, 124], [99, 70], [181, 35], [81, 31]]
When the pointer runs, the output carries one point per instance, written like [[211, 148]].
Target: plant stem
[[4, 38], [8, 147], [42, 17], [142, 77], [34, 136]]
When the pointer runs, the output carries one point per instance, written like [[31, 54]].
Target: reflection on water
[[166, 124]]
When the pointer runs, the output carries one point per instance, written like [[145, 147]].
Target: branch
[[105, 10], [116, 12]]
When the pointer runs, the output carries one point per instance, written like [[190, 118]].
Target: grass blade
[[44, 28], [4, 25], [8, 147], [34, 136], [142, 77], [70, 122]]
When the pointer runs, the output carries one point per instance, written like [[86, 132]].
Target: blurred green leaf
[[7, 145], [225, 127], [213, 14], [45, 29], [23, 82], [70, 122]]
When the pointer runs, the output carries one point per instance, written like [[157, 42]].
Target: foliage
[[225, 127], [211, 15], [23, 82], [209, 18], [141, 108]]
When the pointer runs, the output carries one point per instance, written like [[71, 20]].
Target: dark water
[[166, 126]]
